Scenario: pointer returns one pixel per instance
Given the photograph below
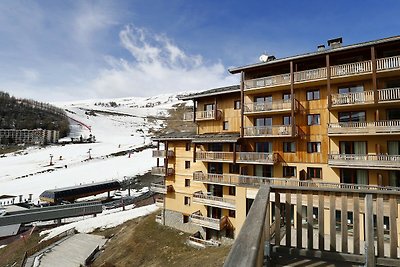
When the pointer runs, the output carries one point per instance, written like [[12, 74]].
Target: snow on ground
[[102, 221], [3, 246], [113, 132]]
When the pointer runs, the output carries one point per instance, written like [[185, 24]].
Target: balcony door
[[394, 147], [209, 107], [265, 121], [263, 99], [353, 176], [352, 116], [214, 212], [353, 147], [263, 170], [215, 147], [394, 178], [215, 167], [263, 147], [393, 114], [215, 190], [351, 89]]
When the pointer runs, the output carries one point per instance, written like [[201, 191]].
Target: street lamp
[[51, 159]]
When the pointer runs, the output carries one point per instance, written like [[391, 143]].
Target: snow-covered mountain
[[118, 125]]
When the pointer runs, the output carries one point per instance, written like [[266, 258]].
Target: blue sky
[[69, 50]]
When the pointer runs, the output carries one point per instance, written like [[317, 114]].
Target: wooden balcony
[[188, 116], [161, 171], [280, 106], [310, 75], [214, 201], [160, 202], [388, 63], [388, 127], [269, 81], [214, 156], [369, 238], [216, 224], [270, 131], [389, 95], [357, 98], [361, 67], [389, 162], [257, 158], [160, 188], [163, 153], [208, 115]]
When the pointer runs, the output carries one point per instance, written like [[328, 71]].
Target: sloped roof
[[212, 92]]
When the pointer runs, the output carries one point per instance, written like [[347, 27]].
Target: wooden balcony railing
[[310, 75], [188, 116], [351, 68], [282, 79], [366, 97], [282, 183], [270, 131], [368, 237], [216, 224], [257, 157], [388, 63], [220, 202], [160, 202], [163, 154], [160, 188], [364, 128], [160, 171], [388, 95], [274, 106], [365, 161], [214, 156]]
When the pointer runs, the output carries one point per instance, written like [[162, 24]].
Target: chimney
[[335, 43], [321, 47]]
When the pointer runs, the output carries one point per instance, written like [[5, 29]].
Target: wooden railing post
[[369, 232]]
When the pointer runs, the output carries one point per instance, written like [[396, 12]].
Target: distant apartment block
[[332, 115], [36, 136]]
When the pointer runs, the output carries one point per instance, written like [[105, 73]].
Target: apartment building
[[35, 136], [331, 116]]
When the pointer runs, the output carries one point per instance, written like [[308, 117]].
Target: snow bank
[[3, 246], [102, 221]]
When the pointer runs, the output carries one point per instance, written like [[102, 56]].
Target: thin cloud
[[157, 66]]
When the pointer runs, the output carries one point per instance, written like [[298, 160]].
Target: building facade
[[35, 136], [330, 116]]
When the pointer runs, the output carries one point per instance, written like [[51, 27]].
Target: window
[[314, 173], [232, 191], [313, 95], [231, 213], [187, 201], [286, 96], [353, 147], [225, 125], [289, 171], [289, 147], [234, 168], [187, 182], [263, 146], [313, 147], [313, 119], [236, 104], [208, 107], [263, 121], [215, 147], [185, 218], [353, 176], [352, 116], [287, 120], [187, 146], [263, 99], [351, 89], [187, 164]]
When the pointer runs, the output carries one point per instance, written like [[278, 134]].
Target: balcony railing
[[366, 97], [160, 202], [269, 131], [214, 201], [160, 188], [160, 171], [188, 116], [388, 95], [273, 106], [285, 183], [163, 153], [310, 75], [214, 156], [257, 157], [365, 161], [388, 63], [364, 128], [216, 224], [351, 68], [282, 79]]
